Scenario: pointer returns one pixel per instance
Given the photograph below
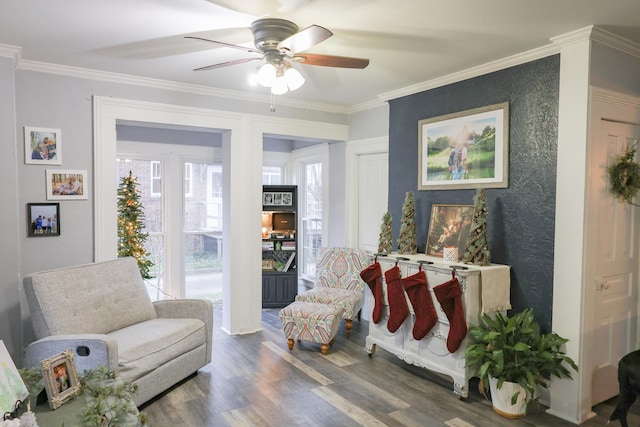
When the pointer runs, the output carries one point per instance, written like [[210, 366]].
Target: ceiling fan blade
[[223, 44], [330, 60], [226, 64], [305, 39]]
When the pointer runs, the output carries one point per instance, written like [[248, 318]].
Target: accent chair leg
[[348, 324], [290, 342], [324, 349]]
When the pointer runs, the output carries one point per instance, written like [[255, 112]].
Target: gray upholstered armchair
[[103, 312]]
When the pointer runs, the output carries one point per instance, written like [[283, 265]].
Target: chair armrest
[[95, 350], [189, 309]]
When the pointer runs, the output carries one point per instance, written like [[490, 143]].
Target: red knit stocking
[[398, 309], [449, 295], [372, 275], [417, 289]]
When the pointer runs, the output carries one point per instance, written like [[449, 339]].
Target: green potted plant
[[514, 357]]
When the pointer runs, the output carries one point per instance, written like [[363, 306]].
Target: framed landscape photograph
[[42, 146], [449, 227], [60, 378], [66, 184], [468, 149], [43, 219]]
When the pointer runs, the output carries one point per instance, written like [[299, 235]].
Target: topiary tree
[[477, 248], [385, 242], [407, 238], [131, 237]]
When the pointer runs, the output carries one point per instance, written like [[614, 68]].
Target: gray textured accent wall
[[521, 217]]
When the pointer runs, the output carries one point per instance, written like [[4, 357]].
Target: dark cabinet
[[279, 245]]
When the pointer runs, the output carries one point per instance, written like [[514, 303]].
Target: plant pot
[[501, 399]]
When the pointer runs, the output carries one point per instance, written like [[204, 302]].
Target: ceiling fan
[[278, 41]]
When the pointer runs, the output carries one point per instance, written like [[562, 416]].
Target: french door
[[181, 192]]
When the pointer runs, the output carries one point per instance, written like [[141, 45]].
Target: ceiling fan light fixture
[[279, 86], [294, 78], [267, 75]]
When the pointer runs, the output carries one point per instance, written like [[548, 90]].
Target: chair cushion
[[340, 268], [307, 321], [147, 345], [349, 301]]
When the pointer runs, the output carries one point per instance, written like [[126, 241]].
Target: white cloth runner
[[496, 288]]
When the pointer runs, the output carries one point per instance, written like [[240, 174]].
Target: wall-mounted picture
[[43, 219], [42, 146], [277, 198], [66, 184], [60, 378], [468, 149], [449, 227]]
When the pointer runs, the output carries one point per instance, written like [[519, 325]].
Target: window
[[188, 179], [271, 175], [156, 178]]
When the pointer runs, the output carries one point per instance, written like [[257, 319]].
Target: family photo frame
[[43, 219], [277, 198], [449, 227], [66, 184], [42, 146], [60, 378], [464, 150]]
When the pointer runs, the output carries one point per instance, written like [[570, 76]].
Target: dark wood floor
[[254, 380]]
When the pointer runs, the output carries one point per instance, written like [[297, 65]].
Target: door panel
[[615, 280]]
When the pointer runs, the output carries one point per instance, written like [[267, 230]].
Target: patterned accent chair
[[338, 281]]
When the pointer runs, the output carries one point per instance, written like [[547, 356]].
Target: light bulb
[[279, 86], [266, 75], [294, 78]]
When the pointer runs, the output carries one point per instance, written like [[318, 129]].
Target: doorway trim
[[242, 136]]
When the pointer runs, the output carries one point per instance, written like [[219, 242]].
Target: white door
[[614, 285], [373, 186], [373, 189]]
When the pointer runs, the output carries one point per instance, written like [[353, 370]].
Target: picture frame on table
[[42, 146], [466, 149], [60, 378], [43, 219], [449, 226], [66, 184]]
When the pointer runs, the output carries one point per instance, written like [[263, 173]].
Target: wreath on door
[[624, 176]]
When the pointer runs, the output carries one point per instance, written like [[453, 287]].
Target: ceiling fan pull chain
[[272, 107]]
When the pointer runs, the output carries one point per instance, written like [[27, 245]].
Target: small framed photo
[[60, 378], [42, 146], [43, 219], [267, 264], [66, 184], [449, 227]]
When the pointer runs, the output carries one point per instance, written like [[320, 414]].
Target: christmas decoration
[[477, 248], [372, 276], [398, 308], [385, 242], [449, 295], [407, 239], [624, 176], [131, 237], [417, 288]]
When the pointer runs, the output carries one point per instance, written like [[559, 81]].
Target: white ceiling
[[407, 41]]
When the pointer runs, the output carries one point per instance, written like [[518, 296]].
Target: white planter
[[501, 399]]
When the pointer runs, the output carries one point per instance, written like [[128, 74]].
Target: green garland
[[624, 176]]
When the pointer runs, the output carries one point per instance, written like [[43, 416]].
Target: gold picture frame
[[60, 378]]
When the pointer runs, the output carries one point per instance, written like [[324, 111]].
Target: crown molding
[[479, 70], [615, 41], [367, 105], [9, 51], [107, 76]]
